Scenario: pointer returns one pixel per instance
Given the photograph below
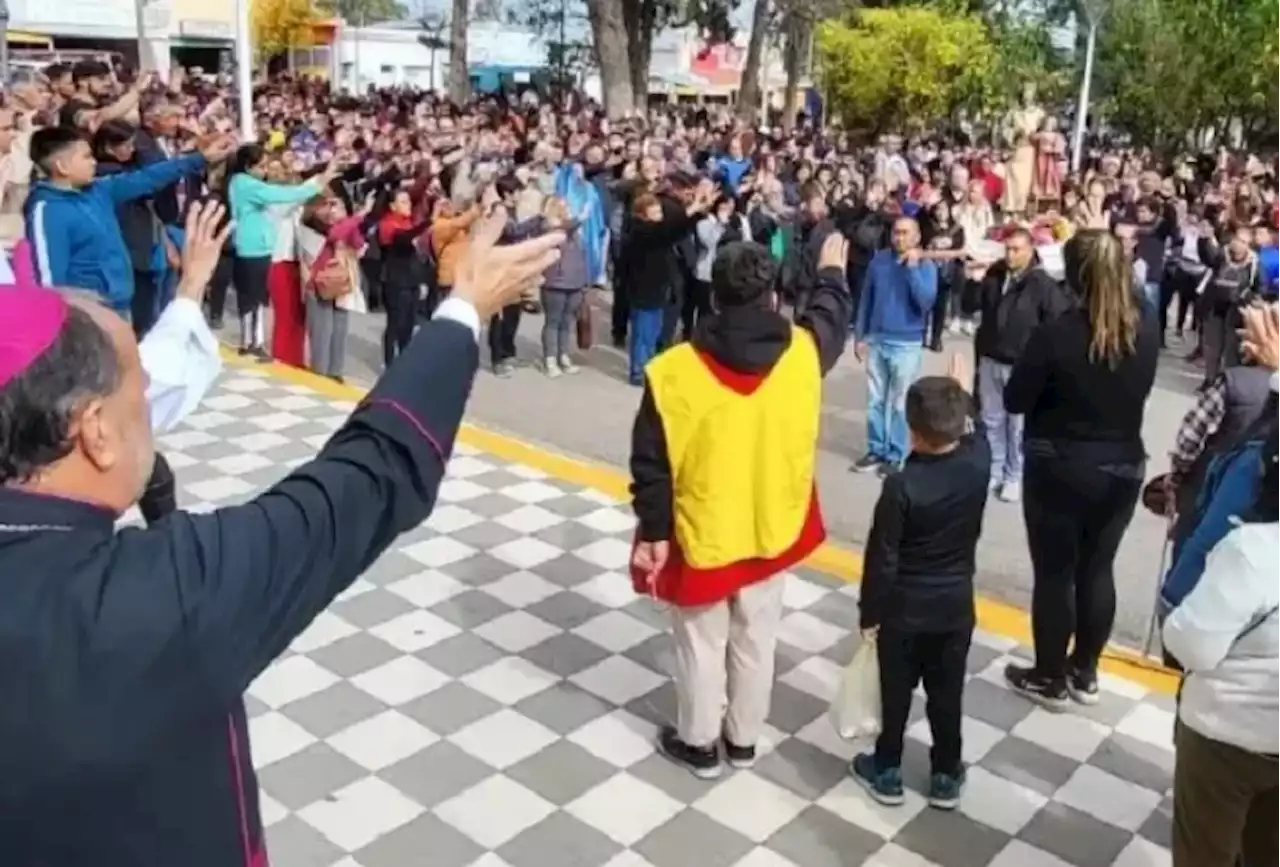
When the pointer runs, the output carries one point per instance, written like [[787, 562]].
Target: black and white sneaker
[[738, 757], [867, 464], [1082, 686], [702, 762], [1050, 694]]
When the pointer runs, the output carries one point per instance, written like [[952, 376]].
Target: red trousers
[[288, 314]]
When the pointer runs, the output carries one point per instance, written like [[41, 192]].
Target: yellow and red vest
[[742, 450]]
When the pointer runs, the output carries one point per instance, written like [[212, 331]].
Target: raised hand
[[1260, 337], [490, 276], [834, 252], [216, 148], [201, 248]]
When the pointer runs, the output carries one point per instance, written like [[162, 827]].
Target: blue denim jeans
[[891, 368], [1151, 294], [646, 327], [1004, 431]]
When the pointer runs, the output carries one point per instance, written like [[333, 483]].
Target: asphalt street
[[588, 415]]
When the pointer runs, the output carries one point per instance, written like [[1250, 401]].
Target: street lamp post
[[1092, 10]]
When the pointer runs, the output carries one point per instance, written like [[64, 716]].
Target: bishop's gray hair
[[38, 406]]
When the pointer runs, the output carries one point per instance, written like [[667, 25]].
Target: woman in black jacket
[[403, 272], [1082, 382]]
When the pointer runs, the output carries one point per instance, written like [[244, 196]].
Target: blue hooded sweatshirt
[[76, 236]]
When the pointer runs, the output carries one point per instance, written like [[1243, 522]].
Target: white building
[[199, 32], [387, 56], [395, 54]]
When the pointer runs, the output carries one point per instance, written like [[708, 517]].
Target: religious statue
[[1020, 128], [1051, 150]]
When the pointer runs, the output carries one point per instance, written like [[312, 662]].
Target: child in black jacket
[[917, 586]]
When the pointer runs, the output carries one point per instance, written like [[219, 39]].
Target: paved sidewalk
[[590, 416], [487, 695]]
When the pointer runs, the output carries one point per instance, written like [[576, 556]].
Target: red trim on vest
[[686, 586], [734, 380]]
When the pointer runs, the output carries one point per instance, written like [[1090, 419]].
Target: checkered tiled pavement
[[486, 694]]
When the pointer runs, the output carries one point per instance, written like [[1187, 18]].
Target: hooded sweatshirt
[[76, 235]]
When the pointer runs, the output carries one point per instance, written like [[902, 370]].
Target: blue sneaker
[[884, 786], [945, 790]]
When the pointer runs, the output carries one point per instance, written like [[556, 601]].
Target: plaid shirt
[[1198, 425]]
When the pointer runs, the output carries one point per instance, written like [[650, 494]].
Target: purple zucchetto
[[30, 321]]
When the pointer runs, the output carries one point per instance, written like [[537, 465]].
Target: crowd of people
[[738, 262]]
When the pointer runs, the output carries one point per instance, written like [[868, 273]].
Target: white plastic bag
[[856, 710]]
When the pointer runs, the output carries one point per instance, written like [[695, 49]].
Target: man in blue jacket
[[897, 296], [71, 215]]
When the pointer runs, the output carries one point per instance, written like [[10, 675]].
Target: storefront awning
[[25, 37]]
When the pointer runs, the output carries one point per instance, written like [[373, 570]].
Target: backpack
[[1231, 485], [334, 278]]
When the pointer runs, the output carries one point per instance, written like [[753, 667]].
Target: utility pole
[[140, 23], [355, 89], [244, 70], [4, 43]]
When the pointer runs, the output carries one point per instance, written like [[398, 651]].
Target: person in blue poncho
[[585, 209]]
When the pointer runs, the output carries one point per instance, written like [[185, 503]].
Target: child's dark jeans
[[939, 659]]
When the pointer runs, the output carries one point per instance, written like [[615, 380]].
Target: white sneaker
[[1011, 492], [550, 368], [567, 365]]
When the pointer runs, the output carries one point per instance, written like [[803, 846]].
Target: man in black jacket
[[1014, 299], [157, 141], [815, 225], [867, 227], [127, 653]]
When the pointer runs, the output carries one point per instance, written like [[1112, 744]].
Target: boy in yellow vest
[[722, 462], [917, 583]]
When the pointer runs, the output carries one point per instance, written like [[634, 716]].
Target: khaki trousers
[[724, 665], [1224, 804]]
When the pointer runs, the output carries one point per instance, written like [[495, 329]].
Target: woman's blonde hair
[[1100, 272]]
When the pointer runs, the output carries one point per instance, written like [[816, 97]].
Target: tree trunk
[[608, 27], [795, 57], [459, 78], [639, 17], [749, 88]]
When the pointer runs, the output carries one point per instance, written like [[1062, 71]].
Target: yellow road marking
[[845, 564]]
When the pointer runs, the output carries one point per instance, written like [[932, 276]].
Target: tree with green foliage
[[903, 68], [1171, 72]]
